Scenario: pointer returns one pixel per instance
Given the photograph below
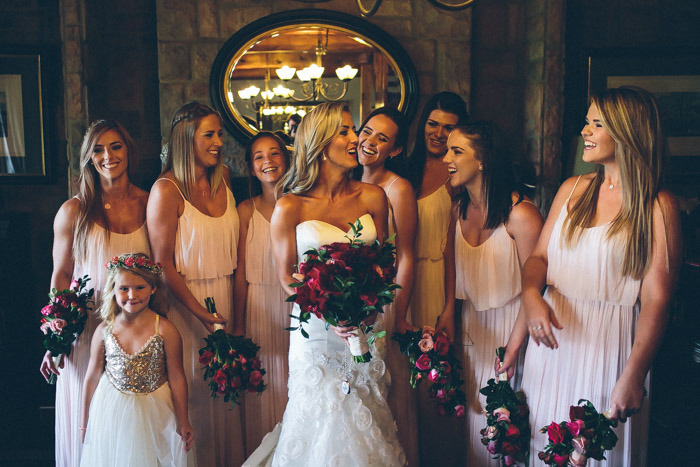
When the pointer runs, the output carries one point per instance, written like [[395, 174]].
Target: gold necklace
[[108, 206]]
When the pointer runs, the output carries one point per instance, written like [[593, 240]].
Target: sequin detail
[[141, 373]]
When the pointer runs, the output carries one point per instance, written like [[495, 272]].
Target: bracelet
[[82, 428]]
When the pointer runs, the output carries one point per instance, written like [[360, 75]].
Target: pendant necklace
[[108, 206], [345, 385]]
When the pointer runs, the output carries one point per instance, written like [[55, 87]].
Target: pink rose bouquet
[[430, 358], [588, 435], [63, 319], [507, 431], [231, 364], [344, 284]]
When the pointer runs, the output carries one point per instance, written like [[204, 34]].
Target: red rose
[[48, 310], [523, 411], [140, 261], [512, 431], [555, 433], [129, 261], [459, 411], [446, 368], [256, 365], [423, 362], [576, 412], [442, 345], [369, 299], [255, 378], [509, 448], [434, 375], [220, 378], [206, 357]]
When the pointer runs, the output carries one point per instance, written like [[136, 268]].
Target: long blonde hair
[[90, 189], [631, 117], [109, 309], [315, 132], [181, 153]]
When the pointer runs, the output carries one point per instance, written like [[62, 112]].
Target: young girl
[[259, 299], [134, 418]]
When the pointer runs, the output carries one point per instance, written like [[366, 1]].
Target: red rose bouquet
[[430, 358], [64, 318], [507, 431], [231, 365], [587, 435], [344, 284]]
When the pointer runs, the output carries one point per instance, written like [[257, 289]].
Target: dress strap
[[572, 190], [157, 321], [388, 189], [176, 186]]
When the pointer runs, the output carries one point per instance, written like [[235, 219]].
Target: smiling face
[[207, 141], [132, 292], [461, 161], [268, 161], [377, 141], [109, 156], [342, 150], [598, 145], [437, 128]]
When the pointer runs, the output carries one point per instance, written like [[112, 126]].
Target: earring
[[481, 167], [325, 158]]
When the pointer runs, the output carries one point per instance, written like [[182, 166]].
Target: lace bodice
[[142, 372]]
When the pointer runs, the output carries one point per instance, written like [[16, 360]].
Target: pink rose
[[503, 414], [206, 357], [561, 459], [491, 432], [57, 325], [575, 427], [492, 447], [512, 431], [426, 344], [47, 310], [428, 330], [580, 444], [74, 284], [45, 327], [577, 459], [509, 460], [459, 411], [440, 394], [423, 362], [434, 375]]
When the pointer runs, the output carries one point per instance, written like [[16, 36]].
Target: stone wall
[[191, 32]]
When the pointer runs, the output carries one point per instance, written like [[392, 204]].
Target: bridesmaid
[[609, 255], [440, 438], [382, 138], [193, 227], [106, 218], [493, 230], [259, 299]]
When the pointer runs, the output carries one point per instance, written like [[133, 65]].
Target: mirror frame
[[242, 40]]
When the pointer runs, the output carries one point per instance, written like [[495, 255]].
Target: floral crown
[[134, 260]]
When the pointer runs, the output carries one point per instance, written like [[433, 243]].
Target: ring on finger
[[536, 328]]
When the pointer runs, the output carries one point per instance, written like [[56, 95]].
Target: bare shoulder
[[524, 209], [370, 191], [289, 201], [167, 329], [403, 189], [667, 202], [69, 209], [245, 210], [165, 187]]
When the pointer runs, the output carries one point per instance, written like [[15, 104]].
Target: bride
[[323, 425]]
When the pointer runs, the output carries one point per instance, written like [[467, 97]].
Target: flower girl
[[129, 414]]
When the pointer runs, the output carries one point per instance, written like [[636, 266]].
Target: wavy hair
[[631, 118], [497, 175], [181, 153], [414, 167], [254, 187], [91, 209], [315, 132], [109, 309]]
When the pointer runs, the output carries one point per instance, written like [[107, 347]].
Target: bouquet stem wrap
[[359, 347]]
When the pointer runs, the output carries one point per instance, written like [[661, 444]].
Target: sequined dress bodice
[[141, 373]]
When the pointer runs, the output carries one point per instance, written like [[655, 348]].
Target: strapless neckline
[[332, 225]]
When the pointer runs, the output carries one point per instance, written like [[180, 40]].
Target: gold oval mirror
[[286, 63]]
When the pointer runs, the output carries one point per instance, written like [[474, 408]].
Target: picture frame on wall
[[673, 77], [24, 136]]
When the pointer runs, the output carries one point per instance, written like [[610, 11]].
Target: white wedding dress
[[323, 426]]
